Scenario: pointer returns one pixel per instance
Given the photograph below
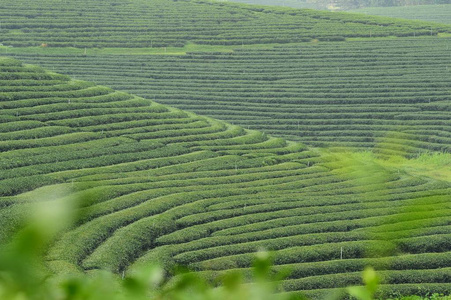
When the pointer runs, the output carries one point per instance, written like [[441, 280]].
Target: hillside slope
[[158, 23], [352, 94], [429, 13], [349, 5], [169, 186]]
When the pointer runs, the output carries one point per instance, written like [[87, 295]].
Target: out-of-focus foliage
[[366, 292], [24, 274]]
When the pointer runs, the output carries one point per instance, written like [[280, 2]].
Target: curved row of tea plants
[[172, 187], [325, 94], [161, 23]]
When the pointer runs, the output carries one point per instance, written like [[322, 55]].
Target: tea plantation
[[160, 23], [195, 133], [347, 94], [173, 187]]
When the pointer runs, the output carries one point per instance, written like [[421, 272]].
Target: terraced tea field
[[352, 94], [177, 188], [161, 23], [153, 181]]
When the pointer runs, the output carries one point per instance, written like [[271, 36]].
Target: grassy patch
[[68, 51], [435, 165]]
